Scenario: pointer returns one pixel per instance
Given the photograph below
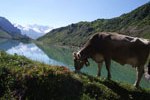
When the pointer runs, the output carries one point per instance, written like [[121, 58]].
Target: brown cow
[[123, 49]]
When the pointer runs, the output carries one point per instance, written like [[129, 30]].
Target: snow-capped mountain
[[34, 31]]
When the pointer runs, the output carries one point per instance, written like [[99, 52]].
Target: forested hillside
[[134, 23]]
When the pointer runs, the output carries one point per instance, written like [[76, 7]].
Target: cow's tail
[[149, 59], [147, 74]]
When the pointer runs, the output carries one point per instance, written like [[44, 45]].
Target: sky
[[58, 13]]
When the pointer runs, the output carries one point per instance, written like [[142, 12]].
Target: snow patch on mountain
[[34, 31]]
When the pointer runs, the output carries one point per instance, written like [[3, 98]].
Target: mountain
[[134, 23], [34, 31], [8, 30]]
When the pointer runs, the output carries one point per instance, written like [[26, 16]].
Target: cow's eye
[[80, 61]]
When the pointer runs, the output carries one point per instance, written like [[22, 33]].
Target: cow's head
[[79, 61]]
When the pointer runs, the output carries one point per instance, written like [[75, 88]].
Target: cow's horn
[[87, 63], [74, 53]]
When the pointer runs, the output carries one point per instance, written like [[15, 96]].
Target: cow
[[107, 46]]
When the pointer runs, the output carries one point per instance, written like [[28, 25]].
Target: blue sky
[[57, 13]]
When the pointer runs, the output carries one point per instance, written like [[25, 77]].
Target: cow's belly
[[131, 61], [98, 58]]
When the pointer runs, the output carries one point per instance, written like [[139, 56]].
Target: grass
[[21, 78]]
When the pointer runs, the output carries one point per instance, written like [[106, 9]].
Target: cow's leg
[[99, 68], [140, 72], [108, 63]]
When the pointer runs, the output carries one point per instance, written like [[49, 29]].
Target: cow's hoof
[[109, 78], [97, 75], [137, 86]]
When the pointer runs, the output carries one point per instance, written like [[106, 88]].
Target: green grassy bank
[[21, 78]]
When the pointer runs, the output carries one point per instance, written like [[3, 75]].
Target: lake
[[54, 55]]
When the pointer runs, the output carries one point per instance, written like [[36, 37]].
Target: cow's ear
[[77, 55], [74, 55]]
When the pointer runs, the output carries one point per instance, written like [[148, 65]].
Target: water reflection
[[31, 51], [7, 44], [59, 53]]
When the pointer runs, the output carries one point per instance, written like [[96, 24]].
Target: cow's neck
[[85, 52]]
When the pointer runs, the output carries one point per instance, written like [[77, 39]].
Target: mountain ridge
[[135, 23], [9, 31]]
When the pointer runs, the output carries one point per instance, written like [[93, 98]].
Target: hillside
[[23, 79], [4, 34], [134, 23], [7, 30]]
